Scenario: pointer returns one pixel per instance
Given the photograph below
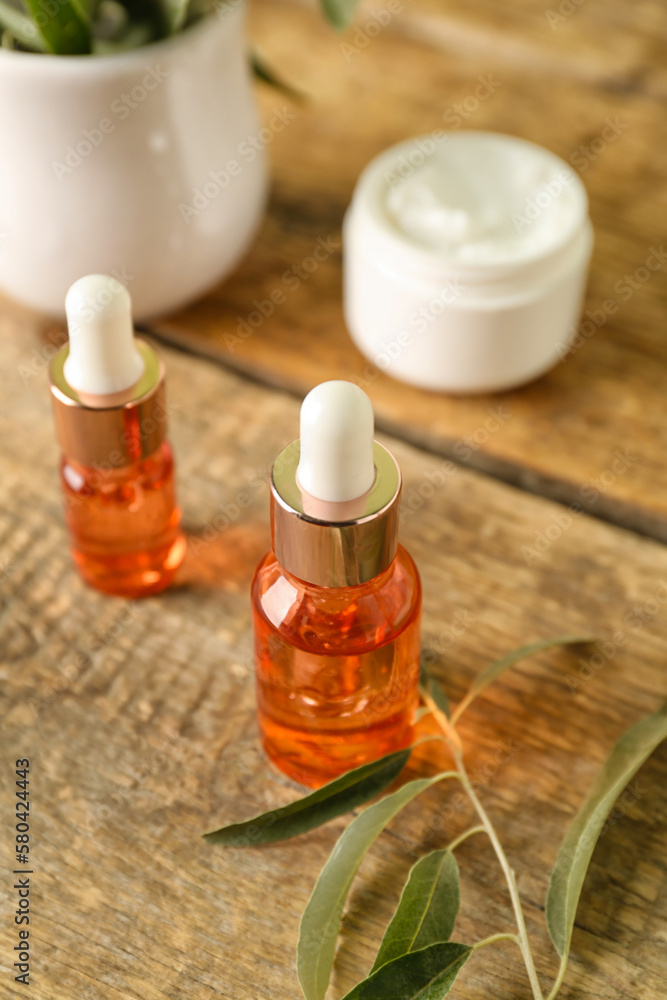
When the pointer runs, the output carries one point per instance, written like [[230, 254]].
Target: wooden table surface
[[138, 717], [557, 87]]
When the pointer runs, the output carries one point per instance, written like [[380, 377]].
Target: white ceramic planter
[[149, 165]]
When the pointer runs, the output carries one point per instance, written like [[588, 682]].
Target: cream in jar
[[465, 261]]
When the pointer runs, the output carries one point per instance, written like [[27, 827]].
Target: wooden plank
[[619, 45], [566, 428], [139, 721]]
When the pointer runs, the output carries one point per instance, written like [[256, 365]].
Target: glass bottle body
[[124, 524], [337, 668]]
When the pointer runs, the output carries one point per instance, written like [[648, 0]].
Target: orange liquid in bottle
[[337, 668], [124, 524]]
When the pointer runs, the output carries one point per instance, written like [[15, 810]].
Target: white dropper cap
[[103, 358], [336, 460]]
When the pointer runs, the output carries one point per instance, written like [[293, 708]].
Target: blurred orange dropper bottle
[[117, 471], [337, 602]]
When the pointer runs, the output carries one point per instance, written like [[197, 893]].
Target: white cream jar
[[465, 260]]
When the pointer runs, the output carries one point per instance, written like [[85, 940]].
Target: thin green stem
[[428, 738], [460, 709], [454, 741], [464, 836], [451, 735], [559, 979], [524, 943], [496, 937]]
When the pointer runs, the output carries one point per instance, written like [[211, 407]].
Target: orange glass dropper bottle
[[117, 471], [337, 602]]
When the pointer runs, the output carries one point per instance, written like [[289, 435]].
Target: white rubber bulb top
[[103, 357], [336, 460]]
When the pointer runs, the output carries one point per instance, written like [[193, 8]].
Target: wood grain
[[608, 395], [617, 44], [139, 721]]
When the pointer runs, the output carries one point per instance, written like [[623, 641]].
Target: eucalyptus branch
[[440, 717], [498, 667], [454, 742], [524, 943], [560, 977], [496, 937], [416, 955], [464, 836]]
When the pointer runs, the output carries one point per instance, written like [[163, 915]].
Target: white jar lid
[[481, 204]]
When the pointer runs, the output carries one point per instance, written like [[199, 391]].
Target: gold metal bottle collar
[[335, 553], [112, 436]]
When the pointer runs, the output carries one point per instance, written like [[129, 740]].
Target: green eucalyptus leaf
[[427, 910], [145, 14], [21, 28], [339, 12], [175, 13], [62, 27], [339, 796], [321, 919], [434, 690], [267, 75], [85, 10], [428, 974], [567, 878], [135, 37], [112, 20], [500, 666]]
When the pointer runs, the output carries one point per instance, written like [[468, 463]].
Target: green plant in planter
[[97, 27]]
